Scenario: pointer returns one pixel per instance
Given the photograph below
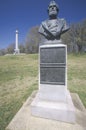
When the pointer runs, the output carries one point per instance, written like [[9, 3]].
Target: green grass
[[77, 75], [19, 78]]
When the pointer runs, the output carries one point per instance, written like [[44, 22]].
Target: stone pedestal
[[53, 100], [17, 51]]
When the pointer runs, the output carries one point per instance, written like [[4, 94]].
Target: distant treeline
[[75, 39]]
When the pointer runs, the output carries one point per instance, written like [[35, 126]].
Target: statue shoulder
[[64, 23], [44, 22], [61, 20], [43, 26]]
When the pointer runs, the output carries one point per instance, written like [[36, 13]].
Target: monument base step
[[61, 111]]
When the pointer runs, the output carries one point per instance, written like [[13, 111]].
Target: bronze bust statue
[[53, 28]]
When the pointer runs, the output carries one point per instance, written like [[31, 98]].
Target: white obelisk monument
[[16, 44]]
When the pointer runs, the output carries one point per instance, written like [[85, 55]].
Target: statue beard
[[53, 14]]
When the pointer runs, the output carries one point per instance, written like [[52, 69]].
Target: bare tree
[[22, 48], [3, 52], [10, 48], [75, 38], [33, 39]]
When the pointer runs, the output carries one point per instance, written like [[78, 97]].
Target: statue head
[[53, 10]]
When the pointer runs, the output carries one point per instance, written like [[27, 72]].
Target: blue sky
[[24, 14]]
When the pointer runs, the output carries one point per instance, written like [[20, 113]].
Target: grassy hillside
[[19, 77], [77, 75]]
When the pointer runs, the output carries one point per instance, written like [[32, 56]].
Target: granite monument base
[[53, 100], [52, 92], [61, 111]]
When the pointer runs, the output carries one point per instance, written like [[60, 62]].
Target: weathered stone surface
[[55, 93]]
